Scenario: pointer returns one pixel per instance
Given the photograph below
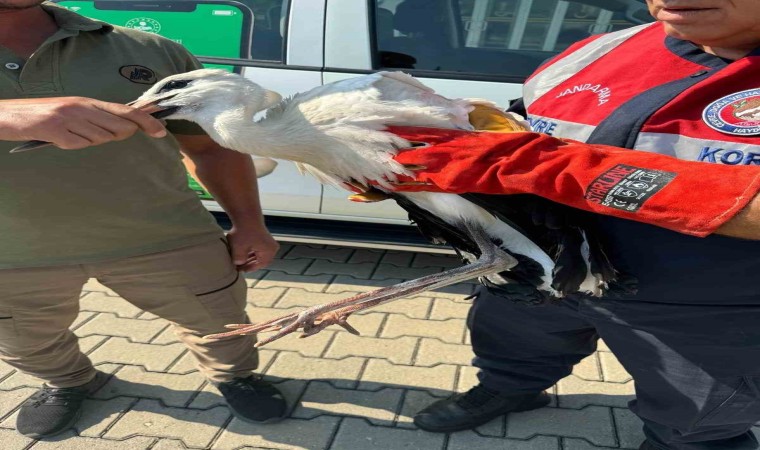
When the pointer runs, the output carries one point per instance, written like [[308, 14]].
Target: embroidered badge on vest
[[737, 114], [138, 74]]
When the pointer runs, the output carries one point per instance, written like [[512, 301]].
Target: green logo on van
[[144, 24]]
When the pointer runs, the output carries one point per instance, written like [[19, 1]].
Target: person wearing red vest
[[675, 104]]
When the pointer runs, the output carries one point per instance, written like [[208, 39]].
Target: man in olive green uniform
[[114, 206]]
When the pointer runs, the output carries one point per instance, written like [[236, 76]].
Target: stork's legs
[[315, 319]]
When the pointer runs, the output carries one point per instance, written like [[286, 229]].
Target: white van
[[460, 48]]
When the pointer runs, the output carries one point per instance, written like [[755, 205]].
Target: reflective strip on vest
[[694, 149], [564, 68], [561, 128]]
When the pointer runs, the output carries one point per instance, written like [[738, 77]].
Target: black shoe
[[252, 399], [646, 445], [51, 411], [473, 408]]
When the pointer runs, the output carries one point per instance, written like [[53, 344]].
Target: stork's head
[[202, 95]]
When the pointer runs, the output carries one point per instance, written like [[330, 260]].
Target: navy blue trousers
[[695, 367]]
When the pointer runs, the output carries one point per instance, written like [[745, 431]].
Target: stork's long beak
[[149, 106]]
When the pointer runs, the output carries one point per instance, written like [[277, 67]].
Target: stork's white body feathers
[[344, 121], [336, 133]]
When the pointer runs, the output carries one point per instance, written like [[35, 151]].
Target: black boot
[[252, 399], [51, 411], [473, 408]]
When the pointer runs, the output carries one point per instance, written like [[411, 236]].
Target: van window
[[269, 28], [509, 38]]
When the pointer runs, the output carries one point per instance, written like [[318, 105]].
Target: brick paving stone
[[283, 250], [13, 441], [366, 256], [380, 373], [378, 407], [397, 351], [357, 434], [253, 278], [87, 344], [576, 393], [629, 428], [311, 346], [152, 357], [133, 381], [149, 418], [433, 351], [612, 369], [82, 318], [313, 283], [291, 266], [412, 307], [588, 368], [360, 271], [388, 271], [304, 299], [414, 401], [468, 378], [167, 336], [102, 302], [72, 442], [450, 331], [265, 297], [291, 434], [467, 337], [107, 324], [397, 258], [341, 373], [468, 440], [602, 346], [145, 315], [593, 423], [5, 370], [340, 254], [187, 363], [435, 260], [9, 400], [92, 285], [444, 308], [168, 444], [98, 415], [579, 444]]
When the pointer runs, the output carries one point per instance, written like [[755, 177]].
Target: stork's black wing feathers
[[559, 230], [521, 280]]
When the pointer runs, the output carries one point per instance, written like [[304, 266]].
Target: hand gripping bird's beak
[[152, 107], [149, 106]]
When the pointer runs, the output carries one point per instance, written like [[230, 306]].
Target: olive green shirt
[[122, 199]]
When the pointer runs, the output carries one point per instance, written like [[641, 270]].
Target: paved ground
[[350, 392]]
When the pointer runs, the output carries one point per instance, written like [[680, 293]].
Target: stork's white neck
[[236, 129]]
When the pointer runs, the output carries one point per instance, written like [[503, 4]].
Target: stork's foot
[[311, 320]]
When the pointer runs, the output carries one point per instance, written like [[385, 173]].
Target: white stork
[[336, 133]]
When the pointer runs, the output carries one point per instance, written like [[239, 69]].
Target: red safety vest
[[638, 88]]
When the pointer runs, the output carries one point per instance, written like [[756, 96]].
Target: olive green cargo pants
[[197, 289]]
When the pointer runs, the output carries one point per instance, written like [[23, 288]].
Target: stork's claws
[[311, 321]]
